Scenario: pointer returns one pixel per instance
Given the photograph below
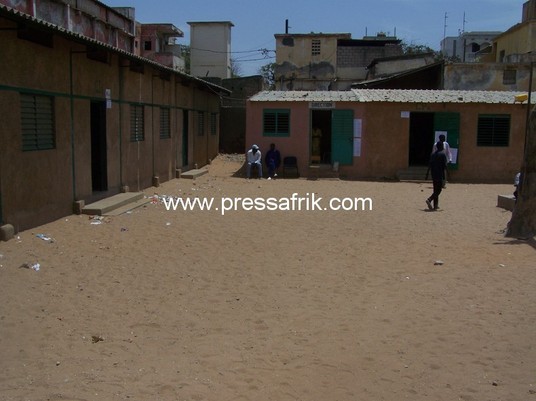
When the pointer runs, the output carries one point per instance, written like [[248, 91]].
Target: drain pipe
[[71, 99]]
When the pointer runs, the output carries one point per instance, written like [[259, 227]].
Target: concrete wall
[[485, 76], [296, 65], [519, 39], [388, 67], [215, 37], [87, 17], [233, 112], [40, 186], [385, 138]]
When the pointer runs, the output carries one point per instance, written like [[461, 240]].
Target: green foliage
[[267, 71]]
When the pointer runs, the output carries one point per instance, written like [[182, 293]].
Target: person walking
[[438, 163], [448, 153]]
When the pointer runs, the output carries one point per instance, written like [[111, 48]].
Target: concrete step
[[506, 202], [322, 171], [107, 205], [194, 173], [413, 173]]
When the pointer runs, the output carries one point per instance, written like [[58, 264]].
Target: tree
[[236, 69], [418, 49], [185, 54], [268, 74], [523, 221]]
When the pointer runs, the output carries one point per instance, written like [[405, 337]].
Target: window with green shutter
[[276, 122], [137, 133], [213, 123], [165, 125], [37, 122], [200, 123], [493, 130]]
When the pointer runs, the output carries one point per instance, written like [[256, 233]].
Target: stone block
[[78, 206], [7, 232]]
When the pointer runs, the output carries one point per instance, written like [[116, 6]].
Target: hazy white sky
[[420, 22]]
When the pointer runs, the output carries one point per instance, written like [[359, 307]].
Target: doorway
[[321, 137], [421, 138], [99, 159], [185, 137]]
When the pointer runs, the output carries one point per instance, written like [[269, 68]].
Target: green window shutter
[[137, 133], [213, 124], [37, 122], [276, 122], [450, 123], [200, 123], [493, 130], [165, 128]]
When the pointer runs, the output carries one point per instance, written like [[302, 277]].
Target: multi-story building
[[518, 43], [466, 46], [158, 43], [328, 61], [210, 49]]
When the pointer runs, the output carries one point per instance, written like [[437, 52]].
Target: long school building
[[82, 120]]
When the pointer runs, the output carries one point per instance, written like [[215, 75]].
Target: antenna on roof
[[444, 32], [286, 26], [463, 24]]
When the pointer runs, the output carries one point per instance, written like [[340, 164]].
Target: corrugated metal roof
[[18, 15], [390, 96]]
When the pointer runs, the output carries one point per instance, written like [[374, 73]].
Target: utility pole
[[445, 34]]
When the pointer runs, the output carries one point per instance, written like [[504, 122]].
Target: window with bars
[[315, 47], [165, 124], [37, 122], [276, 122], [137, 133], [200, 123], [213, 123], [509, 77], [493, 130]]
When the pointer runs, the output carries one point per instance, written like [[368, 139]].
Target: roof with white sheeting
[[391, 96]]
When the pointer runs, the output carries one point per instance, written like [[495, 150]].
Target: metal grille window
[[136, 123], [493, 130], [37, 122], [276, 122], [213, 124], [315, 47], [200, 123], [165, 125], [509, 77]]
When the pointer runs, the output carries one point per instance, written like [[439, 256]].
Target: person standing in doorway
[[438, 164]]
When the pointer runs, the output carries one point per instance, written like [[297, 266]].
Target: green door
[[450, 123], [342, 130]]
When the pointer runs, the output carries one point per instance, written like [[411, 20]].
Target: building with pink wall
[[377, 134]]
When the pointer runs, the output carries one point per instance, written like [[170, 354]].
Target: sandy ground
[[273, 305]]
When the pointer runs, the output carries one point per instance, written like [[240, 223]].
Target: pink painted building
[[378, 134]]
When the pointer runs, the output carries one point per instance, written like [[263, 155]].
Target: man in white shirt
[[446, 148], [254, 159]]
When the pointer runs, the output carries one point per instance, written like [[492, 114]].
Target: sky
[[418, 22]]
